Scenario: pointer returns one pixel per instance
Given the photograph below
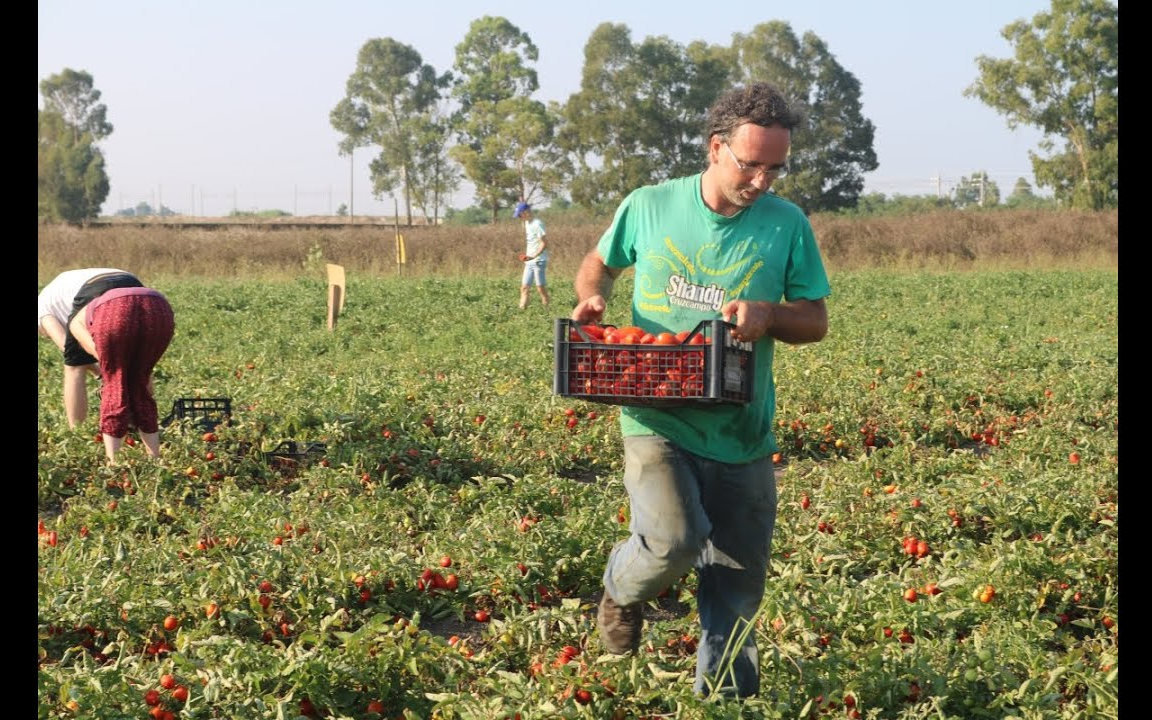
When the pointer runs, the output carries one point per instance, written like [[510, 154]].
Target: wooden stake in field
[[336, 293]]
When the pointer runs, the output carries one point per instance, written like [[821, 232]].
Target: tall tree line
[[638, 116]]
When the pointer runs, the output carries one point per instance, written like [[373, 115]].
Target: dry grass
[[947, 240]]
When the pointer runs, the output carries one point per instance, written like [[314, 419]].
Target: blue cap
[[520, 208]]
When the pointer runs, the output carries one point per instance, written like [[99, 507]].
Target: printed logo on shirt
[[684, 293], [680, 288]]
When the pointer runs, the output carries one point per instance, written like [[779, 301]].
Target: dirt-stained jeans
[[689, 511]]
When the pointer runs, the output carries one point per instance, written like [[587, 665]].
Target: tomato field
[[946, 544]]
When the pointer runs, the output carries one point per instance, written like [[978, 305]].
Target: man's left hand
[[752, 319]]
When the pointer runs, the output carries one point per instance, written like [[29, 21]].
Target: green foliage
[[1063, 80], [71, 183], [391, 104], [942, 406], [638, 117], [71, 95], [271, 213], [833, 150], [503, 134], [897, 204], [467, 216], [977, 191], [1023, 197], [144, 209]]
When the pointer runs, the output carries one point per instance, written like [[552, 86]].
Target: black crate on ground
[[206, 413], [291, 454], [707, 368]]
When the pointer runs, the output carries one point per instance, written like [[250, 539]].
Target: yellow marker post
[[401, 257], [336, 293]]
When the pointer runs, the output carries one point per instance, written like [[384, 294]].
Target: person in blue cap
[[534, 257]]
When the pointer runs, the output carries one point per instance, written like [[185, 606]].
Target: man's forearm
[[593, 278], [804, 321]]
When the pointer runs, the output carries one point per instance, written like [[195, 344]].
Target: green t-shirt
[[689, 262]]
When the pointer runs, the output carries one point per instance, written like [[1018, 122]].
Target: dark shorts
[[74, 354]]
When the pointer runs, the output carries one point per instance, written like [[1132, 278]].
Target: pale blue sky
[[219, 105]]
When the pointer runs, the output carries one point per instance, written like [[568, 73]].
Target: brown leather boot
[[619, 625]]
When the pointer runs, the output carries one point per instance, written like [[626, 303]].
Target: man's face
[[749, 160]]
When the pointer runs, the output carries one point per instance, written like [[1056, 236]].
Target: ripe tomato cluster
[[646, 365], [916, 547], [431, 580]]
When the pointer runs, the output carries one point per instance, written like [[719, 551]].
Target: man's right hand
[[590, 309]]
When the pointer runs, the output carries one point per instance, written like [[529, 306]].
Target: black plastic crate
[[709, 366], [206, 413], [290, 453]]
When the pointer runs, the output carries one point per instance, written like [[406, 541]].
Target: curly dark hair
[[759, 103]]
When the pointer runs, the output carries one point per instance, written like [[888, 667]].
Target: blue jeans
[[689, 511], [535, 273]]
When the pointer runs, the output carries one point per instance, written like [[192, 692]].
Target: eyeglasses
[[751, 172]]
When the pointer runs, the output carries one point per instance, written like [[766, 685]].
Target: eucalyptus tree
[[440, 175], [834, 147], [504, 137], [390, 102], [639, 114], [1063, 80], [71, 183], [72, 95]]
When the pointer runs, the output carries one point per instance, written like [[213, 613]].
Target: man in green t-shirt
[[700, 479]]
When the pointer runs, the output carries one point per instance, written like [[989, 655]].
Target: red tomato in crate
[[693, 386], [666, 338], [626, 381], [594, 332], [691, 361], [605, 364]]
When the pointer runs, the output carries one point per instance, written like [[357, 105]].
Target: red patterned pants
[[131, 334]]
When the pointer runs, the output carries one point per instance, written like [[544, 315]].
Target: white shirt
[[534, 230], [57, 296]]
